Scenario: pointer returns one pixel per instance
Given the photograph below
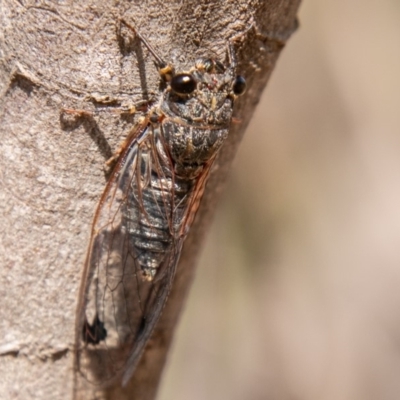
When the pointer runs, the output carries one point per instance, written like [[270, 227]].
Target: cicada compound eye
[[239, 86], [183, 84]]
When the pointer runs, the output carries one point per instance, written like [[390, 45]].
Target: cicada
[[145, 213]]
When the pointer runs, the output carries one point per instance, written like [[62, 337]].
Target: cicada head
[[205, 94]]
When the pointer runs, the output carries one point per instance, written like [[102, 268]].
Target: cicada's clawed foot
[[124, 108]]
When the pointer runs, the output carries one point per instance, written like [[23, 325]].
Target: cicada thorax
[[198, 117]]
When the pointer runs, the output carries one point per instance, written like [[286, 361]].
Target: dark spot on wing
[[94, 333]]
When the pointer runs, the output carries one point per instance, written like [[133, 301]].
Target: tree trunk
[[56, 56]]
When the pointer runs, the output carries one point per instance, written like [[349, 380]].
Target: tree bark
[[51, 167]]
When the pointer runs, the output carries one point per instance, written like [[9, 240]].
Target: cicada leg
[[165, 70]]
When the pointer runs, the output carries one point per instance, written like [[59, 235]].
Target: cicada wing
[[120, 302], [155, 305]]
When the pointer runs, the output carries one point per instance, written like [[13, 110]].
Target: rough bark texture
[[51, 167]]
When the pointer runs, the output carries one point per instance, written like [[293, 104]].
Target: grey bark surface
[[72, 54]]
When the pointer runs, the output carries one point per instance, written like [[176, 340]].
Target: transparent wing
[[131, 261]]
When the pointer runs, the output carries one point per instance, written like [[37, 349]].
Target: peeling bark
[[51, 167]]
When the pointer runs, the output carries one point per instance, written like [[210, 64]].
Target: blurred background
[[297, 294]]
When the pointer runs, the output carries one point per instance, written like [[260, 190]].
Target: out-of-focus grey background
[[297, 295]]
